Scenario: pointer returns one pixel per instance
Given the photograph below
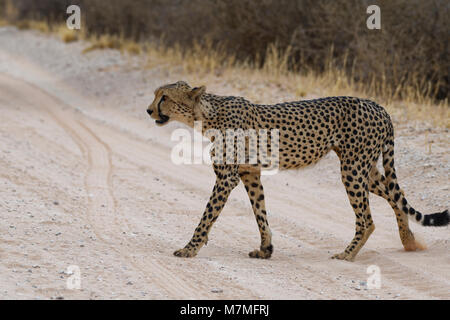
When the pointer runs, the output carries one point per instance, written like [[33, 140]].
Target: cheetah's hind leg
[[356, 186], [255, 191], [378, 185]]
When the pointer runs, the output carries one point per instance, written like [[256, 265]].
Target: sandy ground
[[86, 180]]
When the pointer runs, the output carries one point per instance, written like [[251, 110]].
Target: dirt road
[[89, 187]]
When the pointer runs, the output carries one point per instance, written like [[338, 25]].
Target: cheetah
[[358, 130]]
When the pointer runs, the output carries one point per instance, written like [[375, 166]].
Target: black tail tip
[[439, 219]]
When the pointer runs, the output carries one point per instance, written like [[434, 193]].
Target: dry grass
[[34, 25], [113, 42], [131, 47], [68, 35], [103, 42]]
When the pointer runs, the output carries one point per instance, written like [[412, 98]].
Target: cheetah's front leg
[[227, 178]]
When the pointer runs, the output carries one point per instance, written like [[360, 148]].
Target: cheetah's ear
[[196, 93], [182, 84]]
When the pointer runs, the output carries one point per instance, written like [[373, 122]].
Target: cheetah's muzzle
[[163, 119]]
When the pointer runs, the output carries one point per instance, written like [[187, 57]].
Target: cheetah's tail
[[438, 219]]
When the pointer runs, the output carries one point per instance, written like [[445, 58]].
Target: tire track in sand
[[98, 183]]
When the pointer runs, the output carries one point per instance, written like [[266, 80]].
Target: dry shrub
[[47, 10], [107, 41], [68, 35], [32, 24], [131, 47], [407, 59], [104, 42]]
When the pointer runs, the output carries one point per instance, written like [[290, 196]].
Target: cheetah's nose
[[149, 111]]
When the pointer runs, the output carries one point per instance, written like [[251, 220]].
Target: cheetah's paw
[[185, 253], [343, 256], [263, 253]]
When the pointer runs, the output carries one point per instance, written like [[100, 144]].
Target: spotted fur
[[358, 130]]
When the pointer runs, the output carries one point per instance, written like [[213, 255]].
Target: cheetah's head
[[175, 102]]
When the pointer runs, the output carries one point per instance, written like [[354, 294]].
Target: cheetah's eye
[[163, 98]]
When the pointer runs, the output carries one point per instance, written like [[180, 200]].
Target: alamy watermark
[[74, 281], [374, 20], [74, 20], [374, 280], [234, 146]]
